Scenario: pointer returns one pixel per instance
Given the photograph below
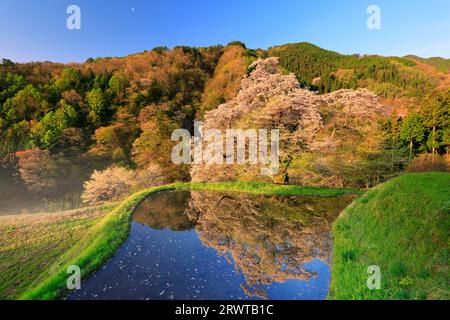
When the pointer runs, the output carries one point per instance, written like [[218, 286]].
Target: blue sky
[[36, 30]]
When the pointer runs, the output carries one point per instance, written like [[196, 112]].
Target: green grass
[[403, 227], [274, 189], [30, 243], [103, 239]]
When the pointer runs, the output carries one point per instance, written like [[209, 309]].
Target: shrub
[[429, 163], [110, 184], [150, 176]]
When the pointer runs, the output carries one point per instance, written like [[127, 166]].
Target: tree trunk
[[410, 150], [433, 149]]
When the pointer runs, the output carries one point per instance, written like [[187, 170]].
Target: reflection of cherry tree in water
[[268, 238]]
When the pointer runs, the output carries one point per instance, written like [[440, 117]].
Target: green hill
[[401, 226]]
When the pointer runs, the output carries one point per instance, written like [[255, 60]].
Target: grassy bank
[[30, 243], [403, 227], [98, 245], [103, 239]]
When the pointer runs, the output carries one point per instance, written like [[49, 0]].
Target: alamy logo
[[74, 20], [374, 279], [74, 280], [374, 20], [237, 146]]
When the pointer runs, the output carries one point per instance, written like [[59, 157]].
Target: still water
[[209, 245]]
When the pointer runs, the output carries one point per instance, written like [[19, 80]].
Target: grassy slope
[[30, 243], [403, 227], [102, 240]]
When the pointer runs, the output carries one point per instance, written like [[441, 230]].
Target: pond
[[189, 245]]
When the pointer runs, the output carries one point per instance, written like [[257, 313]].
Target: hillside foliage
[[60, 122], [326, 71]]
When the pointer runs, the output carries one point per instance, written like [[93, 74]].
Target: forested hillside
[[327, 71], [439, 63], [60, 122]]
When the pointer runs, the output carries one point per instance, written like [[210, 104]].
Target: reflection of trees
[[269, 238], [165, 210]]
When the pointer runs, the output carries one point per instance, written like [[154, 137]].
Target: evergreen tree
[[412, 131]]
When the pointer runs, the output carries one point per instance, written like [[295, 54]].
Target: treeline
[[78, 118], [326, 71], [426, 130], [439, 63], [417, 142]]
